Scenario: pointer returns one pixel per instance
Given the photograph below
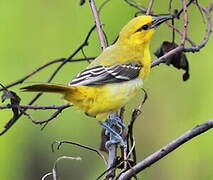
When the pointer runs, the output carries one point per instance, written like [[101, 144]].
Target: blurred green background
[[35, 32]]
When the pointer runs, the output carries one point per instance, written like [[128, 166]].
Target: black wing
[[98, 75]]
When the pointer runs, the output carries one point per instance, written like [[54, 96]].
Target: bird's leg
[[114, 122]]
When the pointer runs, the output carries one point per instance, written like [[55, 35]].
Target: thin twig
[[207, 12], [54, 170], [136, 5], [35, 107], [127, 165], [21, 80], [60, 143], [103, 5], [185, 23], [55, 72], [85, 43], [107, 170], [46, 175], [130, 135], [170, 5], [153, 158], [181, 11], [45, 121], [101, 35], [149, 9], [180, 33], [34, 72], [131, 150]]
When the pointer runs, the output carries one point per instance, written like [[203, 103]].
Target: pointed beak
[[159, 20]]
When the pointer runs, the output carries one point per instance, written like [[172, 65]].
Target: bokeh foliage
[[34, 32]]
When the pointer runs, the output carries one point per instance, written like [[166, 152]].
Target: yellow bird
[[114, 77]]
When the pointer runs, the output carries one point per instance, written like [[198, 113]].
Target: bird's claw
[[115, 140], [114, 121]]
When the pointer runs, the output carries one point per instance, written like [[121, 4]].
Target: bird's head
[[139, 30]]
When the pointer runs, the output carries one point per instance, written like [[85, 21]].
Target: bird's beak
[[159, 20]]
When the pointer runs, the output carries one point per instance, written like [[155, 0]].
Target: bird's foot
[[114, 121]]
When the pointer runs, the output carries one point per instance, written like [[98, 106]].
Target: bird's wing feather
[[99, 75]]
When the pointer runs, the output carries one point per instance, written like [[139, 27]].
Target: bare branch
[[136, 5], [185, 23], [54, 170], [103, 5], [149, 9], [34, 107], [153, 158], [79, 145], [182, 10], [34, 72], [180, 33], [85, 43], [53, 116], [111, 161], [46, 175], [207, 12], [101, 35], [21, 80]]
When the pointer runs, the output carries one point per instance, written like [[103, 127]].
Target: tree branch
[[153, 158], [180, 33], [54, 170], [58, 111], [207, 12], [60, 143], [34, 107], [11, 122], [149, 9], [136, 5], [185, 23], [101, 35], [38, 69]]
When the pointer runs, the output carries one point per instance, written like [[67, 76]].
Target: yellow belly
[[103, 99]]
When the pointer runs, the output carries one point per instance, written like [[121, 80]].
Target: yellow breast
[[107, 98]]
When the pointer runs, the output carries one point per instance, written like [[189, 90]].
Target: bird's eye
[[145, 27]]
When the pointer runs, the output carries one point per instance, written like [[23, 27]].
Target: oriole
[[115, 76]]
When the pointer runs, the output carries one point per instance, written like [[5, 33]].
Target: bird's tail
[[47, 87]]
